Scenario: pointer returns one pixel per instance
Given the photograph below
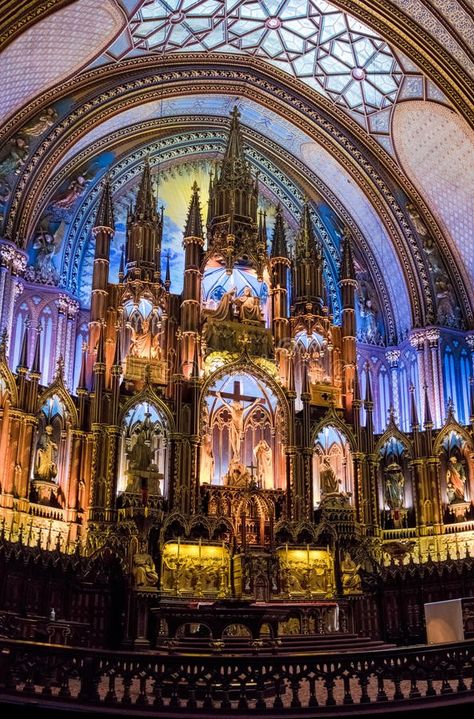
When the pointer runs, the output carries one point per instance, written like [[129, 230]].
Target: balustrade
[[260, 683]]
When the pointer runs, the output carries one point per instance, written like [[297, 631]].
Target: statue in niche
[[351, 581], [155, 350], [368, 313], [225, 308], [46, 244], [455, 480], [46, 457], [394, 486], [236, 427], [206, 471], [330, 484], [237, 475], [141, 341], [249, 307], [448, 311], [143, 571], [264, 460], [140, 455]]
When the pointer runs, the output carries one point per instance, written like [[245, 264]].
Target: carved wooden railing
[[290, 686]]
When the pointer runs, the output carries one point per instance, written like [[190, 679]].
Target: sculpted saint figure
[[143, 571], [264, 461], [141, 341], [46, 455], [329, 482], [394, 486], [236, 429], [224, 309], [456, 480], [140, 455], [207, 459], [249, 307]]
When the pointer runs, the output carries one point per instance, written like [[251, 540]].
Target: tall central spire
[[232, 228], [234, 144], [145, 206]]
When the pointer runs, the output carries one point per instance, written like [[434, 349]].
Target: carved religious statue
[[236, 427], [351, 581], [143, 571], [46, 456], [140, 454], [455, 480], [142, 342], [394, 486], [263, 459], [249, 307], [206, 471], [225, 308], [329, 482]]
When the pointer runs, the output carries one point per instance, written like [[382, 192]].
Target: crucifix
[[237, 410]]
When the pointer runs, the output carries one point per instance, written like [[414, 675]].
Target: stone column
[[437, 398], [393, 357]]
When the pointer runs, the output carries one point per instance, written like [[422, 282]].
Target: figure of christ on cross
[[237, 410]]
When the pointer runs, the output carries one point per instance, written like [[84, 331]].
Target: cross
[[235, 395], [252, 468]]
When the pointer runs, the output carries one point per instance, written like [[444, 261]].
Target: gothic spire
[[105, 213], [347, 258], [279, 248], [23, 359], [427, 420], [83, 375], [168, 272], [35, 367], [100, 346], [306, 242], [234, 149], [194, 220], [145, 205], [368, 386], [413, 409]]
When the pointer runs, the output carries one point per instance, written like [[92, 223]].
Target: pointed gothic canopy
[[145, 205], [105, 212], [279, 247], [306, 242], [194, 220], [347, 258]]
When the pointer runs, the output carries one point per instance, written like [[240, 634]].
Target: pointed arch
[[246, 365], [147, 394], [451, 426], [332, 419], [58, 388], [392, 431]]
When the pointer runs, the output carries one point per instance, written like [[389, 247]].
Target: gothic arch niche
[[144, 452], [456, 468], [48, 473], [242, 430], [395, 489], [332, 459], [315, 350]]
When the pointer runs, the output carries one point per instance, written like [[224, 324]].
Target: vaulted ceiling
[[366, 107]]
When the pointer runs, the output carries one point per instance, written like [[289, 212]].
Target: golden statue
[[351, 581], [46, 456], [143, 571]]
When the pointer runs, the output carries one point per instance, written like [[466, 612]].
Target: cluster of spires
[[234, 178]]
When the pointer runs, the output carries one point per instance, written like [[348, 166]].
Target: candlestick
[[200, 548], [307, 554], [177, 556]]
